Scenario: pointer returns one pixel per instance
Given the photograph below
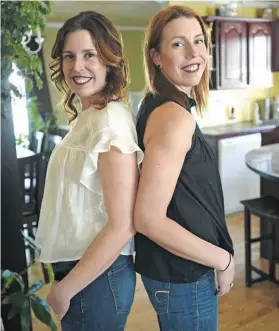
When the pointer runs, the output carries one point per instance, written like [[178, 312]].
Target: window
[[19, 109]]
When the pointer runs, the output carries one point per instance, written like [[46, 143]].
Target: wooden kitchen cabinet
[[275, 46], [270, 137], [259, 60], [233, 55], [241, 52]]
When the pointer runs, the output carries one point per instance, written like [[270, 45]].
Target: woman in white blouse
[[86, 222]]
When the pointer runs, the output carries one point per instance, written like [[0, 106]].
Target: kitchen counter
[[265, 161], [238, 129]]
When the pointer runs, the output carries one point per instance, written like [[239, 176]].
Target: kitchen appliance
[[238, 181]]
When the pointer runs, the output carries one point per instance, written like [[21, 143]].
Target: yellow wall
[[133, 44], [243, 100]]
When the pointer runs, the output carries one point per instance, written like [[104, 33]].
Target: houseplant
[[17, 18], [23, 299]]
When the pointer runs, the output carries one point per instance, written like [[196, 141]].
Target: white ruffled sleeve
[[124, 138]]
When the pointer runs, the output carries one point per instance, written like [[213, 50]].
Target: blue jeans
[[103, 305], [187, 306]]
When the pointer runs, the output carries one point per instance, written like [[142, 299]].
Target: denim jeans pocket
[[159, 294], [122, 281]]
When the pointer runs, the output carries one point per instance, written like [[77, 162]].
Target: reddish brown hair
[[109, 46], [156, 81]]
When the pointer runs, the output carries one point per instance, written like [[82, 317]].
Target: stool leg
[[272, 258], [247, 230]]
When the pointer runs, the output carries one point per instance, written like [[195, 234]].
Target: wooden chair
[[31, 191], [36, 144]]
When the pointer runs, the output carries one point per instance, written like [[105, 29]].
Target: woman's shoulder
[[172, 115], [120, 113], [153, 100], [150, 102], [115, 113], [119, 107]]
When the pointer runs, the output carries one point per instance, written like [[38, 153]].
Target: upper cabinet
[[275, 45], [259, 55], [233, 55], [241, 52]]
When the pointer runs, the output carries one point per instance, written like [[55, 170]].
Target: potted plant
[[22, 299]]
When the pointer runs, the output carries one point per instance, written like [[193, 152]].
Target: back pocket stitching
[[113, 294], [110, 275], [153, 297]]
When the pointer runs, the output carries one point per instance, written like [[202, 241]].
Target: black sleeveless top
[[197, 205]]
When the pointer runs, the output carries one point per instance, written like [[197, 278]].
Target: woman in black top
[[179, 215]]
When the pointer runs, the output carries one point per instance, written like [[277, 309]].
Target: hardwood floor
[[244, 309]]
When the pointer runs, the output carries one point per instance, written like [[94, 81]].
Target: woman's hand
[[58, 300], [225, 279]]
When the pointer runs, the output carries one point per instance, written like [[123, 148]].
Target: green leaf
[[7, 276], [17, 17], [42, 311], [50, 272], [29, 84], [25, 316], [15, 310], [35, 287], [16, 300], [11, 276], [7, 300]]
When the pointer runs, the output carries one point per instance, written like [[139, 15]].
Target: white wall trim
[[58, 25]]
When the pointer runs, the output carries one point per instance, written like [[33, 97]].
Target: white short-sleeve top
[[73, 210]]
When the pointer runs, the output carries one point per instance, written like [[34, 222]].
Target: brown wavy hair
[[109, 45], [157, 83]]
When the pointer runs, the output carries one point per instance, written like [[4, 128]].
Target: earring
[[159, 66]]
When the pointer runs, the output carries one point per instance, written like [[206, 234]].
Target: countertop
[[265, 161], [239, 128]]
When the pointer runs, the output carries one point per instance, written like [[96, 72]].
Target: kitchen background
[[132, 19]]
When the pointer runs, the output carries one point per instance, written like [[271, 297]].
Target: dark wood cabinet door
[[270, 137], [259, 55], [275, 46], [233, 55]]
